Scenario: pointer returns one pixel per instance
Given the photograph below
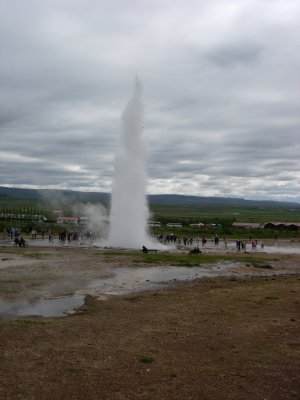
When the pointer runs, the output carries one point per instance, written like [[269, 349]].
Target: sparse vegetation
[[146, 359], [197, 259], [264, 266], [272, 297]]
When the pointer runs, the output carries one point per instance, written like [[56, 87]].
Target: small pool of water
[[43, 307], [126, 280], [282, 250], [123, 280]]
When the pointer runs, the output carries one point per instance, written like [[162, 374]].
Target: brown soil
[[223, 338]]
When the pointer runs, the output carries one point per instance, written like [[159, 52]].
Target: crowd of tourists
[[240, 245], [74, 235], [167, 238], [14, 233]]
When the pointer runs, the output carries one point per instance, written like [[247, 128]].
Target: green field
[[215, 214], [225, 216], [185, 210]]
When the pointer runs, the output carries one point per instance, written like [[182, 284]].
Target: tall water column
[[129, 208]]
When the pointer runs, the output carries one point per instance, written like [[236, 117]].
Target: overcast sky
[[221, 82]]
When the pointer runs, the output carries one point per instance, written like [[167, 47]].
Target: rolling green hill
[[154, 200], [166, 208]]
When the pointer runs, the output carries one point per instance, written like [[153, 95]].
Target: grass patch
[[212, 370], [146, 360], [184, 259], [264, 266], [176, 259], [172, 259], [197, 259], [272, 297]]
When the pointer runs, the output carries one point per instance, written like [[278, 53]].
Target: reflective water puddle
[[43, 307], [127, 280], [123, 280]]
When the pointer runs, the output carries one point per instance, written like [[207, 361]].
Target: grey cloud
[[238, 54], [221, 95]]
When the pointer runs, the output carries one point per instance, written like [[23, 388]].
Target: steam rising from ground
[[129, 208], [97, 218]]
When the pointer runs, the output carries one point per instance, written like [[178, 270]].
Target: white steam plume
[[129, 208]]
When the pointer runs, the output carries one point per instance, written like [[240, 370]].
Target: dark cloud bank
[[221, 94]]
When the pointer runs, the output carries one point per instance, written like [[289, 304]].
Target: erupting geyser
[[129, 208]]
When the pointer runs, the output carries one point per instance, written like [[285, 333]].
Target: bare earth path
[[222, 338]]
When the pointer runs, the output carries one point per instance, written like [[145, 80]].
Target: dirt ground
[[236, 337]]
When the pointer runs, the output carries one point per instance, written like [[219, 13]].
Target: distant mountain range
[[50, 194], [181, 200], [7, 193]]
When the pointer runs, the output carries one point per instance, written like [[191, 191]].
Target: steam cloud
[[97, 217]]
